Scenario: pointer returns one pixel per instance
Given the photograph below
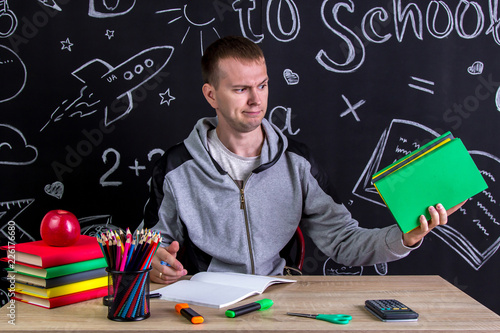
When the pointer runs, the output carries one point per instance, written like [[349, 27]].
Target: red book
[[40, 254], [50, 303]]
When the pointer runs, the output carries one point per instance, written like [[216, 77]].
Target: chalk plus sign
[[352, 109], [137, 167]]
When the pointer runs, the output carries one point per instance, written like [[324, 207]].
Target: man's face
[[240, 99]]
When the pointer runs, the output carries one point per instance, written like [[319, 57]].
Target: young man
[[234, 192]]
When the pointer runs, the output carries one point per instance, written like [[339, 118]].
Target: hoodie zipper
[[242, 199], [247, 225]]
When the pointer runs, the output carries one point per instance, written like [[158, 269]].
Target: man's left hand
[[439, 216]]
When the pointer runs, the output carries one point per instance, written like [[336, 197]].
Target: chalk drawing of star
[[166, 97], [66, 44], [110, 34]]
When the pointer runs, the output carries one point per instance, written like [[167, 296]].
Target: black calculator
[[390, 310]]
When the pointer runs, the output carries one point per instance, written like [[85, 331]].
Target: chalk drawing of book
[[398, 140], [473, 231]]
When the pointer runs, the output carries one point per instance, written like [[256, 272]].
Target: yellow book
[[61, 290]]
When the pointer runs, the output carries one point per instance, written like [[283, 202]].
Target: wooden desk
[[442, 308]]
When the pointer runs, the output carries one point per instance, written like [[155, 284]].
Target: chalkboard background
[[361, 82]]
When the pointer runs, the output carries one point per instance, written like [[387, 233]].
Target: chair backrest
[[294, 251]]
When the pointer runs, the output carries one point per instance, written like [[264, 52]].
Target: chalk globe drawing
[[12, 74]]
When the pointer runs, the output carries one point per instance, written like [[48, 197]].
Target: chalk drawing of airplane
[[108, 83]]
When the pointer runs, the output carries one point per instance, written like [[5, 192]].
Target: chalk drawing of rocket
[[116, 82], [105, 85]]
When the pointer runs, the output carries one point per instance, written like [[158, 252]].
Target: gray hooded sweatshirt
[[228, 228]]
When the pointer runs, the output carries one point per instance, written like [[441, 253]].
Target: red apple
[[60, 228]]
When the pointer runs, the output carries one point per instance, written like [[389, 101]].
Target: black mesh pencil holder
[[128, 295]]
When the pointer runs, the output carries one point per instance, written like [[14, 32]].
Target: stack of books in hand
[[50, 276], [441, 171]]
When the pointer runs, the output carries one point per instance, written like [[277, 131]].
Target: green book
[[60, 280], [413, 156], [444, 173], [52, 272]]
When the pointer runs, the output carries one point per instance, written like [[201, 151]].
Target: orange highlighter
[[191, 315]]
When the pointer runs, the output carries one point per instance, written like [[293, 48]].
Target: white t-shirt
[[238, 167]]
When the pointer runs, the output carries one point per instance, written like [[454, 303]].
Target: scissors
[[332, 318]]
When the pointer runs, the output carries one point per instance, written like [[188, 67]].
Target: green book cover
[[413, 155], [60, 280], [445, 175], [52, 272]]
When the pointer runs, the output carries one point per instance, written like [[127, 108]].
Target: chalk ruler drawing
[[14, 150], [9, 211], [6, 13], [473, 231], [105, 84], [12, 74]]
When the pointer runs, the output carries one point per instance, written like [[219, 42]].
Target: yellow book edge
[[64, 289], [409, 156]]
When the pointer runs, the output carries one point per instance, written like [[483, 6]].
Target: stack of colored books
[[50, 276]]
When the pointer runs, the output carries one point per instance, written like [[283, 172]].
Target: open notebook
[[216, 289]]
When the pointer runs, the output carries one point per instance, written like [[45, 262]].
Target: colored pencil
[[127, 252]]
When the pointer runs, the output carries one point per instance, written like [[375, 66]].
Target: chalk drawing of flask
[[6, 13]]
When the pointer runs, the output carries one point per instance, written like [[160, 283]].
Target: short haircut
[[236, 47]]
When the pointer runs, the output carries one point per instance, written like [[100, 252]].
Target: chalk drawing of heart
[[291, 78], [476, 68], [56, 189]]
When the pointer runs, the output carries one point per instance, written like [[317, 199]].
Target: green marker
[[263, 304]]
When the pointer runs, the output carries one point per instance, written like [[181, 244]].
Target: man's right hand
[[167, 274]]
